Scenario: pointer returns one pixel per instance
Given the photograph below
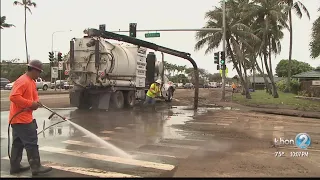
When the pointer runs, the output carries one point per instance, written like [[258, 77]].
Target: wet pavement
[[149, 138], [174, 141]]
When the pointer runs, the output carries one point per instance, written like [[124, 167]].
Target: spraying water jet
[[91, 135]]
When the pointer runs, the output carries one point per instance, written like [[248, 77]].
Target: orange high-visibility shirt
[[23, 93], [234, 86]]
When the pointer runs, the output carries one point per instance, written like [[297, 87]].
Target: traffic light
[[223, 60], [51, 56], [59, 56], [133, 29], [102, 27], [216, 60]]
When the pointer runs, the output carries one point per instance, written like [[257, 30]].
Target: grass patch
[[285, 100]]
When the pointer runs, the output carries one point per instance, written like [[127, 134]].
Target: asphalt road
[[58, 99], [174, 142]]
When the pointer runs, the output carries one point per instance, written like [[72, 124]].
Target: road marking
[[176, 99], [107, 132], [89, 171], [106, 158], [185, 139], [104, 138], [278, 127], [78, 170], [120, 128], [175, 146], [80, 143], [205, 123], [6, 175]]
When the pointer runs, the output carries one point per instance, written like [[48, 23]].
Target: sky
[[76, 15]]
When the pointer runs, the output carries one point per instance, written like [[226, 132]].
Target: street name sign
[[151, 35]]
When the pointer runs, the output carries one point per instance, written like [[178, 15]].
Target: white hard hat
[[158, 81]]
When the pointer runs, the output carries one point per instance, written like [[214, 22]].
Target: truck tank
[[119, 64]]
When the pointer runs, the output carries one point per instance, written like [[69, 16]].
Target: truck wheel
[[170, 95], [117, 99], [130, 99], [84, 102], [45, 87]]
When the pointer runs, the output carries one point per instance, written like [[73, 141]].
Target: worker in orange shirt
[[24, 97], [234, 87]]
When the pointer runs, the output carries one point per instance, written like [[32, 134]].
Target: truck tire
[[84, 102], [45, 87], [130, 99], [169, 95], [117, 99]]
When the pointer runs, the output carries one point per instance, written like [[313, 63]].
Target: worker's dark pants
[[24, 136]]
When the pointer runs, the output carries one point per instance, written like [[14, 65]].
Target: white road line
[[185, 139], [7, 175], [80, 143], [89, 171], [120, 128], [106, 158], [104, 138], [175, 146], [78, 170], [107, 132], [204, 123]]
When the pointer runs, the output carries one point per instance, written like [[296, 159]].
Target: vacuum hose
[[25, 109]]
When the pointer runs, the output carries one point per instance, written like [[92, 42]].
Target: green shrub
[[294, 85]]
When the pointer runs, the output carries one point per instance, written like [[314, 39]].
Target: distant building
[[309, 75], [259, 83]]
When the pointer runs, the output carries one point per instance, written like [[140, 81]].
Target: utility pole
[[224, 49]]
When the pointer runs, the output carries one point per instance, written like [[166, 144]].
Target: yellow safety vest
[[153, 91]]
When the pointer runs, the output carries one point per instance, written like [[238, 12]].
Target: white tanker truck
[[106, 73]]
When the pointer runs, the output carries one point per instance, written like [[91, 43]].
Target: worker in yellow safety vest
[[152, 93]]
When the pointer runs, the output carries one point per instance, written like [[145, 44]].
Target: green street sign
[[151, 35]]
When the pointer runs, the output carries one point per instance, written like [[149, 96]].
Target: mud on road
[[215, 141]]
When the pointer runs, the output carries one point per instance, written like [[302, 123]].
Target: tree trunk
[[242, 80], [290, 53], [25, 32], [266, 82], [274, 87], [254, 78]]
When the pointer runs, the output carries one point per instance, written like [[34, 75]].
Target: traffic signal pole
[[171, 30], [224, 49]]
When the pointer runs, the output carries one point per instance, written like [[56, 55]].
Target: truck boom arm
[[146, 44]]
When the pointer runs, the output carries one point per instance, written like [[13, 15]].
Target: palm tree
[[298, 7], [237, 33], [26, 4], [269, 19], [3, 23], [315, 38]]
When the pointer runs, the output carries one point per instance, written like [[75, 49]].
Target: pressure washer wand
[[53, 112]]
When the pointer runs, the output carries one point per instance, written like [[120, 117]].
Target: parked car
[[58, 84], [9, 86], [67, 85], [188, 86], [41, 84], [4, 82]]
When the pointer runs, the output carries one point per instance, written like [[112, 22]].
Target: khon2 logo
[[302, 141]]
